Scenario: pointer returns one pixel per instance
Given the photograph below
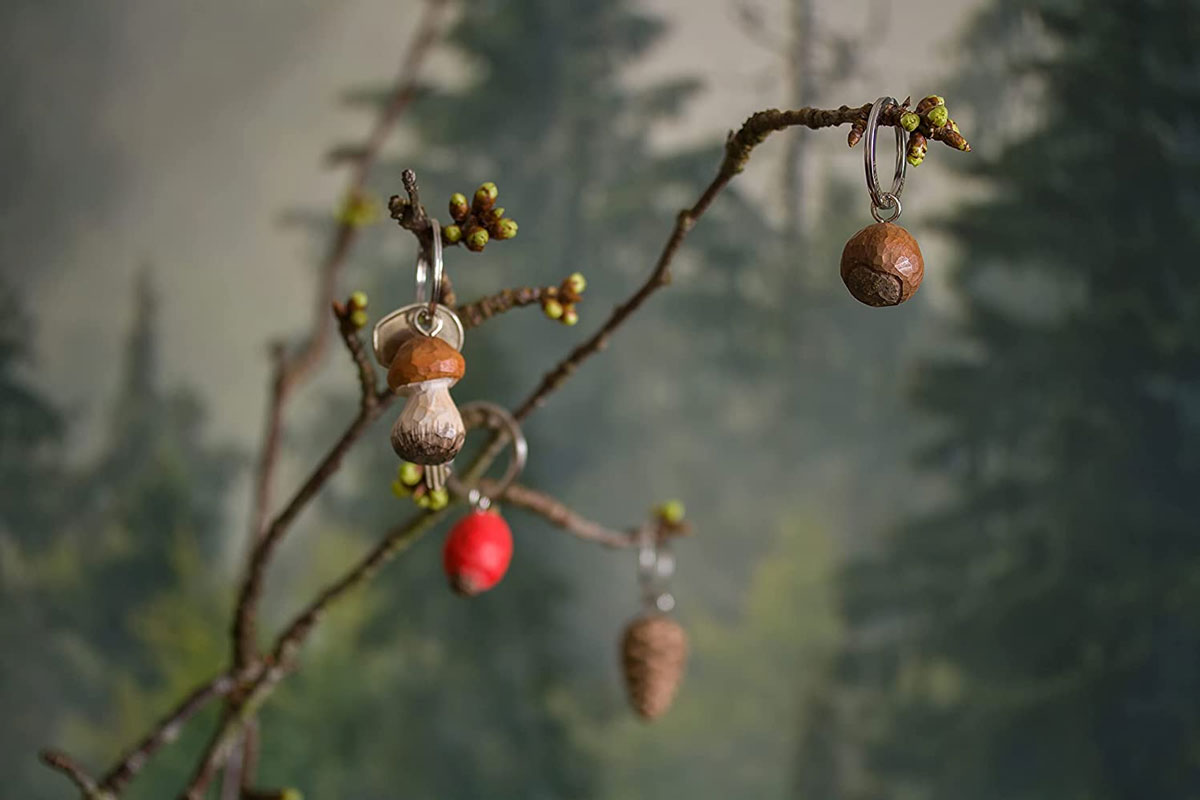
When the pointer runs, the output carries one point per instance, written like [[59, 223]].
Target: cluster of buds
[[410, 482], [479, 221], [353, 311], [558, 302], [930, 118]]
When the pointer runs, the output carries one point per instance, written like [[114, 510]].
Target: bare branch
[[164, 732], [291, 369], [76, 774], [562, 516], [244, 625]]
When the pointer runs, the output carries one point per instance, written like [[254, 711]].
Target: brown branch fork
[[254, 673]]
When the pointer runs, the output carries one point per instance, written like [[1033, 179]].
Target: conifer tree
[[1036, 635]]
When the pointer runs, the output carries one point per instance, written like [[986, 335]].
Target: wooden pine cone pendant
[[882, 265], [430, 429], [654, 654]]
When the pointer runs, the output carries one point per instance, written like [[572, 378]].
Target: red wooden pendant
[[477, 552]]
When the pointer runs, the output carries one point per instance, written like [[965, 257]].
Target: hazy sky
[[175, 133]]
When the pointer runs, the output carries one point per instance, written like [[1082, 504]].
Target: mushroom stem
[[429, 430]]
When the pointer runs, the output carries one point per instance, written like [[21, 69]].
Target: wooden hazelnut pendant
[[882, 265], [430, 429], [654, 654]]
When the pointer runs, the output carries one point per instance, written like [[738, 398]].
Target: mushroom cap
[[425, 358]]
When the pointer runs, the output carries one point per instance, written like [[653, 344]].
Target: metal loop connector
[[493, 417], [881, 200]]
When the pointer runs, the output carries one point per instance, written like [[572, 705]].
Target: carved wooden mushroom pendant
[[882, 265], [430, 429], [654, 653]]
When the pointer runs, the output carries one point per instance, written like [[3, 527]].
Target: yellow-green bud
[[576, 282], [570, 316], [505, 229], [909, 121], [929, 102], [553, 309], [358, 318], [439, 499], [671, 512], [451, 234], [291, 794], [458, 206], [358, 300], [485, 196], [400, 490], [423, 500], [409, 473], [938, 116], [477, 239]]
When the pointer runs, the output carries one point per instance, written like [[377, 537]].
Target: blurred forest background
[[948, 550]]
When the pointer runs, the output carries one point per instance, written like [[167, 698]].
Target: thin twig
[[475, 314], [244, 624], [559, 514], [164, 732], [291, 369], [75, 773]]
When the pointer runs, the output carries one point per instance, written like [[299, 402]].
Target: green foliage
[[106, 578], [733, 729], [1036, 635]]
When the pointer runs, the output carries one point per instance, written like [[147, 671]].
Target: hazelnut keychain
[[479, 547], [419, 345], [882, 264]]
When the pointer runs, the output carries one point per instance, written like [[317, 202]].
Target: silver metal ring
[[420, 320], [890, 201], [493, 417], [435, 289], [656, 565], [878, 196]]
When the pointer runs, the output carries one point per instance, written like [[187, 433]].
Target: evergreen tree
[[1036, 636]]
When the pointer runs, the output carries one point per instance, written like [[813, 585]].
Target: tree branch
[[244, 626], [291, 369], [557, 513], [165, 731], [76, 774], [267, 673]]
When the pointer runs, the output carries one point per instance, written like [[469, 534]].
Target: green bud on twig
[[399, 489], [485, 196], [358, 300], [458, 206], [504, 229], [552, 308], [358, 318], [409, 473], [918, 145], [909, 121], [929, 102], [477, 239], [451, 234], [938, 116], [439, 499], [576, 282], [570, 315], [671, 512]]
